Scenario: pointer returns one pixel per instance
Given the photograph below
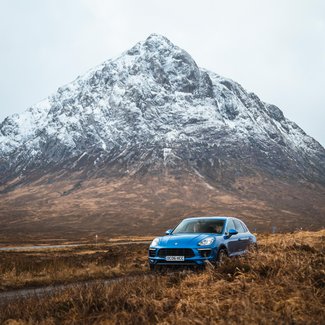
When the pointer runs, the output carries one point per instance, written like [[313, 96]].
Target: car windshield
[[200, 226]]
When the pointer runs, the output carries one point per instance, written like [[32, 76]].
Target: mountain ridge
[[152, 111]]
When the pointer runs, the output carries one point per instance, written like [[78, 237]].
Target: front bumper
[[192, 256]]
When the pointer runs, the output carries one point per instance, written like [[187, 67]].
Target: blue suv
[[198, 240]]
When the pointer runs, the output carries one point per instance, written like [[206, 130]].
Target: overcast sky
[[273, 48]]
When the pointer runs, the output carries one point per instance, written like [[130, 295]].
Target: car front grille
[[205, 252], [186, 252]]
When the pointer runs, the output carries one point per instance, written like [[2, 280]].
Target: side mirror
[[232, 232], [169, 231]]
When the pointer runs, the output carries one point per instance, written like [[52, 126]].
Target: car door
[[232, 242], [243, 236]]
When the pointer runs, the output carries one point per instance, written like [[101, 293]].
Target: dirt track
[[28, 248], [40, 291], [7, 296]]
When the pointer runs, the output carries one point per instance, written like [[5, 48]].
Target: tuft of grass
[[281, 284]]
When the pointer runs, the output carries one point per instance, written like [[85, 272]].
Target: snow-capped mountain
[[150, 110]]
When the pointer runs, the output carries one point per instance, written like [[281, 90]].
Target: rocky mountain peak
[[169, 65], [155, 41], [156, 99], [151, 135]]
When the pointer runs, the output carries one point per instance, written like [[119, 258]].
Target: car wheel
[[222, 256]]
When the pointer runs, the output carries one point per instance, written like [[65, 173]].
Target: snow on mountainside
[[154, 103]]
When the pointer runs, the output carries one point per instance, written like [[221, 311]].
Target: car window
[[244, 226], [238, 226], [230, 225], [200, 226]]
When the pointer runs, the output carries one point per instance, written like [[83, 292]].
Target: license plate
[[175, 258]]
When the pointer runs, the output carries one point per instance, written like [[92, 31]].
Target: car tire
[[222, 256], [152, 267]]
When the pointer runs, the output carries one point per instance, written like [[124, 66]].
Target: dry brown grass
[[37, 268], [282, 284]]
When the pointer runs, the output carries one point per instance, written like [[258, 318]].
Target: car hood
[[182, 240]]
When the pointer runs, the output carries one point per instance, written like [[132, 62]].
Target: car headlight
[[155, 242], [206, 241]]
